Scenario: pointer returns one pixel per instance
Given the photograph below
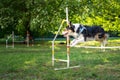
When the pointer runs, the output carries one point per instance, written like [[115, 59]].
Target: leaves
[[42, 16]]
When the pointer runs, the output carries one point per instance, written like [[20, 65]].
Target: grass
[[34, 63]]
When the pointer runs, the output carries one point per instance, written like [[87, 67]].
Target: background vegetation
[[43, 17]]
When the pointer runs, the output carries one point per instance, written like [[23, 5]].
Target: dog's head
[[70, 30]]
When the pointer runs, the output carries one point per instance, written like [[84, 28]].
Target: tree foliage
[[44, 16]]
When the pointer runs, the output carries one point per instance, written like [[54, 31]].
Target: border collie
[[83, 33]]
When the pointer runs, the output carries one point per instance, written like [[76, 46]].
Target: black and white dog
[[82, 33]]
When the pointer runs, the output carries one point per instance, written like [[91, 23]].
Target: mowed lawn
[[34, 63]]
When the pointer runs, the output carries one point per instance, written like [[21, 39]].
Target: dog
[[83, 33]]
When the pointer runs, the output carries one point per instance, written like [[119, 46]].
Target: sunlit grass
[[34, 63]]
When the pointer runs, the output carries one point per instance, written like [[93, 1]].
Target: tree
[[44, 16]]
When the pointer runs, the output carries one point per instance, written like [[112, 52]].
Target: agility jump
[[12, 36], [105, 36], [68, 47]]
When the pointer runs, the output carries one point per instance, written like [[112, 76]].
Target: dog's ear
[[80, 26], [67, 27], [70, 23]]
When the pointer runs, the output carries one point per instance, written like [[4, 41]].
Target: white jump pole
[[13, 39], [67, 16], [11, 36], [108, 47], [27, 39], [6, 43], [68, 52], [68, 39]]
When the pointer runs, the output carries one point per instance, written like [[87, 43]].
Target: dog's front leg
[[72, 41], [76, 41]]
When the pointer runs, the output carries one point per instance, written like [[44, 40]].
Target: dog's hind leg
[[103, 44], [104, 41]]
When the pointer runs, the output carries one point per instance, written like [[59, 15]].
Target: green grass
[[34, 63]]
